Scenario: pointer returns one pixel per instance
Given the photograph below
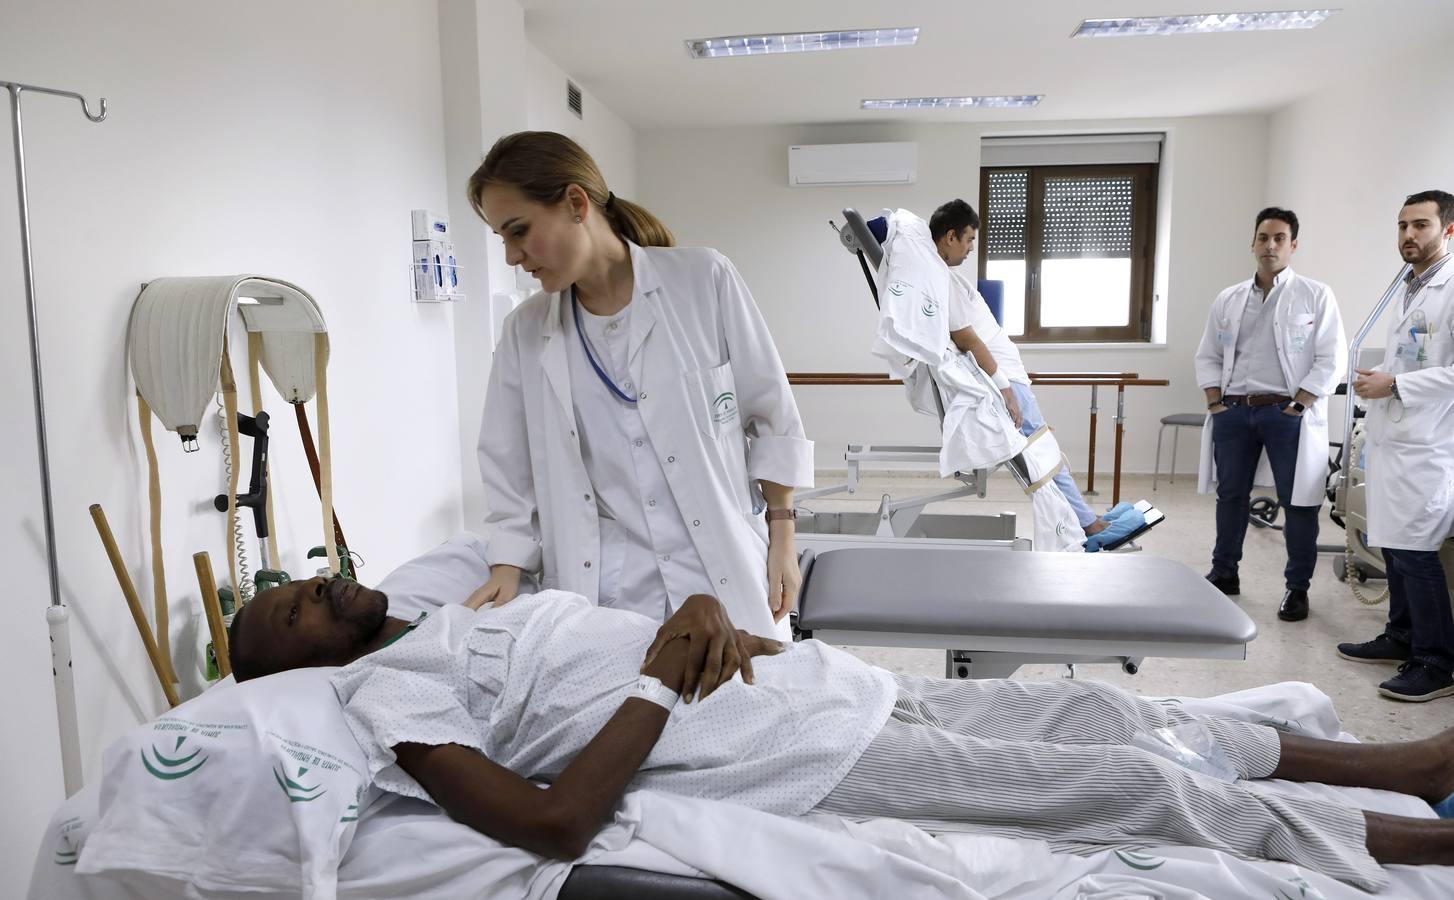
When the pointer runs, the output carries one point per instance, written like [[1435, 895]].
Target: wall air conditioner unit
[[818, 165]]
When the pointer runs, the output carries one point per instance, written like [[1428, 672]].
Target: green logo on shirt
[[66, 855], [295, 791], [930, 309], [66, 852], [724, 408], [171, 768], [897, 288]]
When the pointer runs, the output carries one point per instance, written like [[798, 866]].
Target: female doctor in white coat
[[1409, 459], [640, 442]]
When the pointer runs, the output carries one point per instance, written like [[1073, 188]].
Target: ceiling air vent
[[573, 98]]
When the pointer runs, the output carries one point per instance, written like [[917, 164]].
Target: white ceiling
[[630, 55]]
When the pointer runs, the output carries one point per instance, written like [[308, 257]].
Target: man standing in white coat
[[1271, 354], [1410, 459]]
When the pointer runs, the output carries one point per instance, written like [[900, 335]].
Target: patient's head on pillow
[[318, 622]]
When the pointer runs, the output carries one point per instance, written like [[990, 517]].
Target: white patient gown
[[528, 685]]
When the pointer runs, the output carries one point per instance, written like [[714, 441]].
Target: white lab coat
[[1409, 452], [717, 408], [1313, 352]]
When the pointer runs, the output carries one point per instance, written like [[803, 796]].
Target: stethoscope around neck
[[575, 306]]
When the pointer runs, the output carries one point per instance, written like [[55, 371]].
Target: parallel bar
[[1090, 466], [1120, 428]]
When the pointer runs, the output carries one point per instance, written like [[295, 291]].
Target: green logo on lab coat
[[171, 768], [295, 791], [724, 408]]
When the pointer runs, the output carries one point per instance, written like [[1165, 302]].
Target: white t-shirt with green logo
[[967, 308], [530, 684]]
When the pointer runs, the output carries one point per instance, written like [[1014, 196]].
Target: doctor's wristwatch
[[774, 515], [651, 690]]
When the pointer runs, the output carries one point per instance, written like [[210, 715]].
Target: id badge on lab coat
[[1413, 350], [1298, 333]]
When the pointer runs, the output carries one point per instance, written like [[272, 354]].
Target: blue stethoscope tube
[[575, 306]]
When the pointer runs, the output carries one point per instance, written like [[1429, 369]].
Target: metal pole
[[1353, 348], [57, 616]]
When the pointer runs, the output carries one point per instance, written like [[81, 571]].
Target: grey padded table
[[995, 610]]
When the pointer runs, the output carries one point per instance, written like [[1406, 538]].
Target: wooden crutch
[[148, 640], [213, 607]]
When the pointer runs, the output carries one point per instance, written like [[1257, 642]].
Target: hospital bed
[[409, 848], [403, 847]]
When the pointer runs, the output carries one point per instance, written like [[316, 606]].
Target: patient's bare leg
[[1422, 768], [1415, 842]]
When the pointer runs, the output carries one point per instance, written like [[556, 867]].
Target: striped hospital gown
[[1052, 761]]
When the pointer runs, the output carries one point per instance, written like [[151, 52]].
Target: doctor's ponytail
[[543, 164]]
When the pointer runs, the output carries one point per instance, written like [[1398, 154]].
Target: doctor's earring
[[578, 220]]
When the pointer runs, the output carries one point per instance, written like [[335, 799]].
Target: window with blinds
[[1073, 246]]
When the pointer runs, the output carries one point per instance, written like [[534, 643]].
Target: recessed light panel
[[1207, 23], [802, 42], [998, 101]]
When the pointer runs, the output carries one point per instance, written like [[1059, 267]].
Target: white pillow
[[257, 786], [250, 786], [446, 574]]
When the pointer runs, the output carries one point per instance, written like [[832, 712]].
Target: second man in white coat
[[1410, 459], [1272, 352]]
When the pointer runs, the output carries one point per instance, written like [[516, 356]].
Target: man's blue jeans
[[1031, 420], [1418, 607], [1239, 436]]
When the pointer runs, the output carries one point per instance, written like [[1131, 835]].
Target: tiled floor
[[1301, 651]]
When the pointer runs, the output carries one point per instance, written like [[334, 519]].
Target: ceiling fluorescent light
[[804, 42], [1202, 24], [1000, 102]]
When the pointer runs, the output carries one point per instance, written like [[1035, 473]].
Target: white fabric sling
[[180, 360]]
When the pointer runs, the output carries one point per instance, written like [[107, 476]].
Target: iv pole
[[57, 616]]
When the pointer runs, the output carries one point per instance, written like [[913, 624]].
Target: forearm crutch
[[103, 528]]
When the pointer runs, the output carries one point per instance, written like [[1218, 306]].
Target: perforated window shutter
[[1088, 217], [1004, 225]]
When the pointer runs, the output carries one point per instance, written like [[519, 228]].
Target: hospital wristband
[[1001, 381], [651, 690]]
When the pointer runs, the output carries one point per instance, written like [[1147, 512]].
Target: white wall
[[482, 52], [273, 137], [1346, 157], [727, 188], [609, 139]]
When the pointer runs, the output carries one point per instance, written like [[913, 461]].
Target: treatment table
[[993, 611]]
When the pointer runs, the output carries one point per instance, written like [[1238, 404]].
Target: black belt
[[1256, 400]]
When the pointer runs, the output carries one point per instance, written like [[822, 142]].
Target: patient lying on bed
[[468, 708]]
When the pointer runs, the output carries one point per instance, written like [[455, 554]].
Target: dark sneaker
[[1382, 649], [1417, 683], [1294, 606], [1227, 584]]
